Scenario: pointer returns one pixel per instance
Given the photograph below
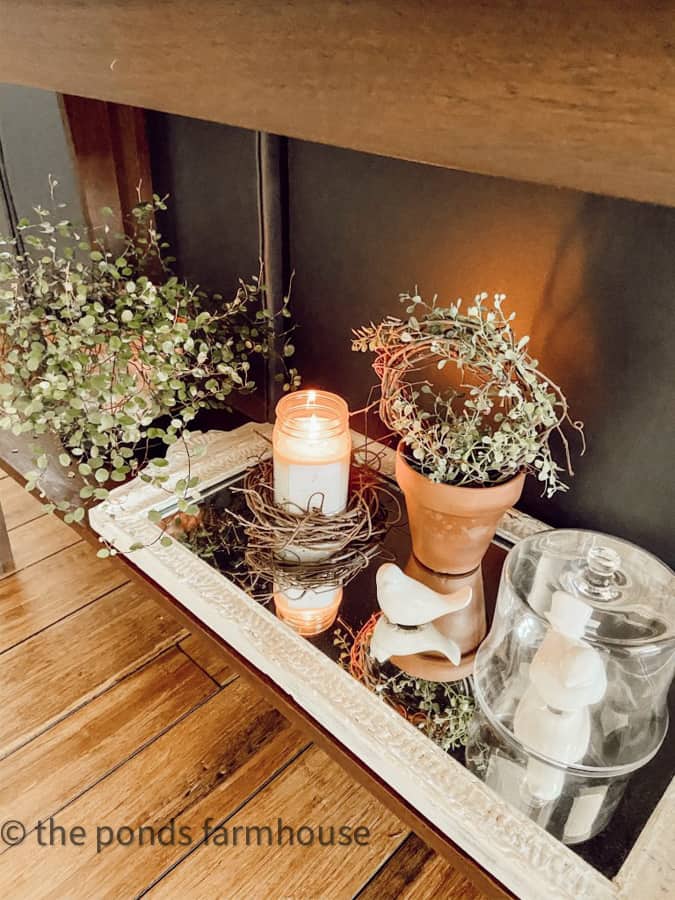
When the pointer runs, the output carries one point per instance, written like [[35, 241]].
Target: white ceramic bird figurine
[[391, 640], [406, 601], [567, 676]]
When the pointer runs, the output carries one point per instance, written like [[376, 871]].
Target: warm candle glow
[[312, 450], [312, 453], [308, 612]]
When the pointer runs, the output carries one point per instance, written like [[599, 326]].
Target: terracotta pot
[[451, 527]]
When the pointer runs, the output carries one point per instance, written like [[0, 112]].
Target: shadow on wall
[[611, 344], [209, 172], [591, 279]]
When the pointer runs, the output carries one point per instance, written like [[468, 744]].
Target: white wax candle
[[312, 450]]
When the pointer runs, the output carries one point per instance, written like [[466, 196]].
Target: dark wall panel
[[35, 146], [210, 173], [592, 280]]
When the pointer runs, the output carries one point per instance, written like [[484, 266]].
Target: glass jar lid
[[629, 590]]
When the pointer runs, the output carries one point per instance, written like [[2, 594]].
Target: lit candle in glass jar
[[312, 450]]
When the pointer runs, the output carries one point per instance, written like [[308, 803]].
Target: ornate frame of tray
[[519, 853]]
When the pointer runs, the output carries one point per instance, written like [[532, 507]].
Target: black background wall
[[591, 279], [210, 173], [34, 146]]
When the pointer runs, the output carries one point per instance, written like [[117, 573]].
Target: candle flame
[[313, 426], [311, 398]]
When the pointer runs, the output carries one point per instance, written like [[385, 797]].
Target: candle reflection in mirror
[[308, 611]]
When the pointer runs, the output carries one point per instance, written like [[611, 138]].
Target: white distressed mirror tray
[[516, 851]]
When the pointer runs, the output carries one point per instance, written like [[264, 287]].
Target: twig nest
[[304, 548]]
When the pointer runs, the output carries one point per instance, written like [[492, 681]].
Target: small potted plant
[[469, 433], [113, 354]]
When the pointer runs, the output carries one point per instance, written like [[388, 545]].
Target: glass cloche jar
[[572, 681]]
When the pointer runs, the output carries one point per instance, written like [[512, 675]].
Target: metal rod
[[272, 165]]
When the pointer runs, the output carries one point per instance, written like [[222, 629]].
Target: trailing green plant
[[115, 355], [494, 420]]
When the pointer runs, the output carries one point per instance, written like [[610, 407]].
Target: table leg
[[6, 558]]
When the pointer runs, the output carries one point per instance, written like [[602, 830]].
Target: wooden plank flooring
[[18, 505], [123, 735], [49, 590]]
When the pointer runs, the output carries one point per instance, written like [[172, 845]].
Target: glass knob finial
[[603, 563]]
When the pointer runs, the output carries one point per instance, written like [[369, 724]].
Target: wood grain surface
[[38, 539], [18, 505], [54, 672], [43, 776], [51, 589], [313, 792], [111, 159], [100, 747], [204, 767], [578, 95], [207, 655], [415, 872]]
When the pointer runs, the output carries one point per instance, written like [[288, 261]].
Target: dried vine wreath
[[496, 422], [441, 711], [353, 537]]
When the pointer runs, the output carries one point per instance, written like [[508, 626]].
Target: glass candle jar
[[571, 683], [312, 450]]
